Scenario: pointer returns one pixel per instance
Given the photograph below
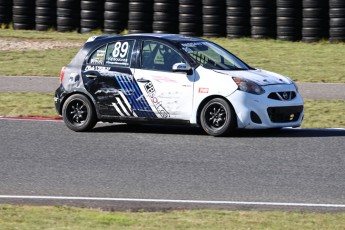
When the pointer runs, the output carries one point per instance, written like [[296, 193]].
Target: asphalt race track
[[118, 166]]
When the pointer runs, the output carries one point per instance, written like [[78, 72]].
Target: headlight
[[248, 86]]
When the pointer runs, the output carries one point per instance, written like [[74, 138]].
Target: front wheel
[[217, 117], [78, 113]]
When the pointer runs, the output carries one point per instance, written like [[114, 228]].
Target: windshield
[[211, 56]]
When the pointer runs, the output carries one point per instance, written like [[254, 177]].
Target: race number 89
[[120, 49]]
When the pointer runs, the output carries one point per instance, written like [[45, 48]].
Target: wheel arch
[[88, 96], [204, 102]]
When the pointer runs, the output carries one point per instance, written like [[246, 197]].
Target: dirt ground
[[9, 44]]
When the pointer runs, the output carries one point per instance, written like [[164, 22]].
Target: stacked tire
[[23, 14], [68, 15], [45, 14], [91, 15], [190, 17], [165, 16], [115, 16], [213, 18], [315, 20], [337, 20], [5, 12], [289, 20], [237, 18], [263, 18], [140, 16]]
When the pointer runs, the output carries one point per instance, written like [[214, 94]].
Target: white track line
[[66, 198]]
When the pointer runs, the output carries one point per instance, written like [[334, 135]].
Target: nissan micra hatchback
[[172, 79]]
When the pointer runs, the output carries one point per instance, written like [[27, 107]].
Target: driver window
[[158, 56]]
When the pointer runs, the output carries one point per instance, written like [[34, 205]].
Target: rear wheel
[[217, 117], [78, 113]]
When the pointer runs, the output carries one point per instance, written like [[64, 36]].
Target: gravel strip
[[15, 44]]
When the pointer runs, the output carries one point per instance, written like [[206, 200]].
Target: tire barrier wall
[[5, 12], [291, 20]]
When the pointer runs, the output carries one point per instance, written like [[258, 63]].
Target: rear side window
[[97, 58], [119, 53]]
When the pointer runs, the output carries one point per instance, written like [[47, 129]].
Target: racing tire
[[286, 12], [42, 27], [217, 118], [23, 3], [337, 3], [237, 12], [212, 10], [313, 12], [337, 12], [287, 3], [313, 4], [78, 113], [45, 3], [68, 4], [337, 22], [91, 5], [238, 3]]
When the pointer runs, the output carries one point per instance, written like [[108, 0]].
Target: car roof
[[167, 37]]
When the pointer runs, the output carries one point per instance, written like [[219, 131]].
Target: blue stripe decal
[[132, 92]]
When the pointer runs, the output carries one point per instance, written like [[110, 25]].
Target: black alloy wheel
[[217, 117], [78, 113]]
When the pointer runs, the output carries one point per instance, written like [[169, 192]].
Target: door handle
[[143, 80], [91, 76]]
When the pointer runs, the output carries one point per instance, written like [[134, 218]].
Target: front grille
[[284, 114], [282, 96]]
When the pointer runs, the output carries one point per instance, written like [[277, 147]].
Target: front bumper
[[263, 111]]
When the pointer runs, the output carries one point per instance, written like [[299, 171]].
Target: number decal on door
[[120, 49], [119, 53]]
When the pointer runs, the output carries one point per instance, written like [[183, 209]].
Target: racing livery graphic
[[172, 79], [151, 92]]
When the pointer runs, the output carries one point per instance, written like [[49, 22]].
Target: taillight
[[62, 74]]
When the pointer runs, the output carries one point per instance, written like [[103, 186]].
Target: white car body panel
[[181, 94], [173, 92]]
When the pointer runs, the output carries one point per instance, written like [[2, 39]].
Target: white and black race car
[[172, 79]]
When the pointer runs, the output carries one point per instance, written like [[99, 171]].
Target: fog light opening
[[255, 118]]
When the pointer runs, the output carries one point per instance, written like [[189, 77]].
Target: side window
[[158, 56], [97, 58], [119, 53]]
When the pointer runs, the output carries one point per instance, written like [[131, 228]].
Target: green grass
[[27, 104], [304, 62], [318, 113], [324, 114], [35, 62], [25, 217]]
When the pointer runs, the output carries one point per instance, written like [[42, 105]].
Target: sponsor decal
[[98, 59], [203, 90], [163, 79], [151, 92], [97, 68], [96, 62], [193, 44]]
